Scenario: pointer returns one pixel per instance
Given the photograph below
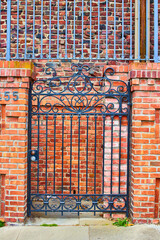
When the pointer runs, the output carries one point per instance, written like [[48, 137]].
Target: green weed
[[2, 224], [121, 222], [49, 225]]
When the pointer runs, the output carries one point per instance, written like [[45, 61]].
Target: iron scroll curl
[[79, 93]]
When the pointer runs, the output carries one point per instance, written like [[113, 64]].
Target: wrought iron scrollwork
[[79, 93]]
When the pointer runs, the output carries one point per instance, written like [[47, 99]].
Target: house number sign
[[9, 95]]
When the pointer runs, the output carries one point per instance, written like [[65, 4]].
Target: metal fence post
[[156, 30], [8, 29]]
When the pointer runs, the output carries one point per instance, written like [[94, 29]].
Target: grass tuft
[[2, 224], [121, 222], [49, 225]]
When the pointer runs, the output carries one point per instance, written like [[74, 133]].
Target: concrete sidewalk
[[92, 232]]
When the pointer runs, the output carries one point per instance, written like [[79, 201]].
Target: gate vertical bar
[[29, 148], [71, 117], [38, 149], [111, 152], [62, 147], [128, 146], [120, 122], [95, 158], [79, 128], [156, 30], [8, 30], [46, 161], [104, 117], [87, 157], [95, 153], [62, 154], [54, 152]]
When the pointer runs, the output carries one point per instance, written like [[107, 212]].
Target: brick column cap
[[17, 69], [144, 70], [144, 66]]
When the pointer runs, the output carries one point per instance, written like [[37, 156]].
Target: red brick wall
[[145, 150], [14, 77]]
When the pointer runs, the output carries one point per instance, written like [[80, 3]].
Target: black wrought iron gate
[[78, 156]]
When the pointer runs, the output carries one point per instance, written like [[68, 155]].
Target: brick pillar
[[145, 150], [14, 86]]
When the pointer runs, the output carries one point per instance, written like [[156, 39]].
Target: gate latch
[[33, 155]]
